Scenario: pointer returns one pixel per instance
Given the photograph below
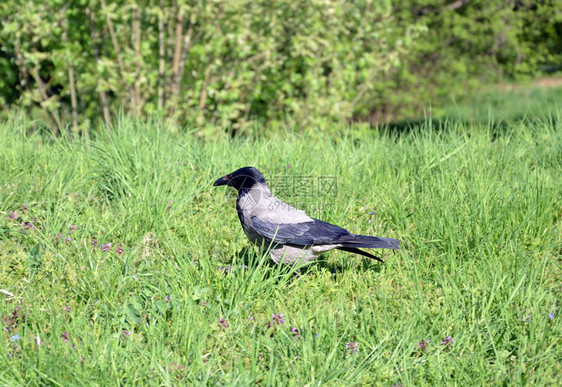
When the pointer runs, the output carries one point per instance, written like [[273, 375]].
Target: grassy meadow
[[120, 264]]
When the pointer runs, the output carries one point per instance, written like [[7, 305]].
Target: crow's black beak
[[222, 181]]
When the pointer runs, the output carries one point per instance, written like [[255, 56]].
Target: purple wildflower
[[126, 333], [371, 213], [277, 318], [15, 337], [170, 206], [447, 340], [72, 228], [106, 247], [203, 303], [67, 240], [59, 235], [14, 351], [423, 344], [94, 242], [352, 347], [7, 329], [168, 298], [119, 250], [223, 322], [251, 318], [23, 207], [28, 225], [64, 337], [67, 309], [295, 331], [13, 215], [551, 315]]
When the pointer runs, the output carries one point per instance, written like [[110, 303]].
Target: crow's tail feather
[[360, 252], [370, 242]]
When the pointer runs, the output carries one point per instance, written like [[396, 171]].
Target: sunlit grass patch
[[136, 270]]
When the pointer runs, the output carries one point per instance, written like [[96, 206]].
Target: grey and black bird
[[291, 235]]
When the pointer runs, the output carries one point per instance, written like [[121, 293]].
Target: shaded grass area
[[478, 213]]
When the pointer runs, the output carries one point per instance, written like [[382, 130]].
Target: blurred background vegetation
[[266, 64]]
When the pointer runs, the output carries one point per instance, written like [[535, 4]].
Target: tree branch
[[101, 92], [137, 58], [117, 51], [44, 98], [161, 57], [72, 84]]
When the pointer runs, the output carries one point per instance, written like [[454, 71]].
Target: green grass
[[478, 211], [502, 106]]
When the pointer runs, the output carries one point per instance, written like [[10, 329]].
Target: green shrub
[[228, 64]]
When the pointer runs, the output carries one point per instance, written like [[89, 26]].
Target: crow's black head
[[242, 178]]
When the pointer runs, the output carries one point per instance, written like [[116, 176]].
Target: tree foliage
[[229, 63]]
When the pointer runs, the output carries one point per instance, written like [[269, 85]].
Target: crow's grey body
[[291, 235]]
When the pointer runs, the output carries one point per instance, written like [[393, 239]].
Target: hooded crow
[[291, 235]]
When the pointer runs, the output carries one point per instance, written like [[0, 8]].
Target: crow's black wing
[[315, 232]]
